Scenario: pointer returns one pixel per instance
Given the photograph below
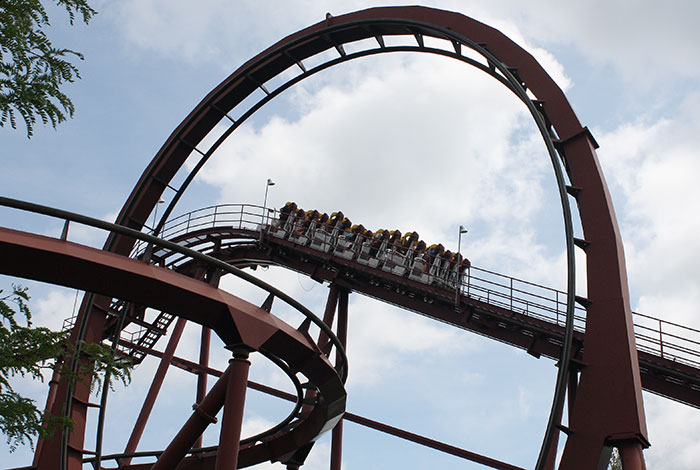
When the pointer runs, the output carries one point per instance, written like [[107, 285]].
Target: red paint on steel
[[409, 436], [630, 454], [329, 314], [342, 333], [611, 356], [230, 437], [362, 421], [51, 448], [337, 446], [609, 394], [235, 321], [664, 376], [202, 417], [601, 413], [154, 389], [50, 399], [204, 346]]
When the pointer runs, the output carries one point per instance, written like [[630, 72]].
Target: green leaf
[[27, 351], [32, 70]]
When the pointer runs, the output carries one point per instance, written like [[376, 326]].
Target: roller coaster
[[175, 266]]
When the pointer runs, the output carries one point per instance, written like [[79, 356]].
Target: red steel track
[[241, 326], [600, 416], [509, 310]]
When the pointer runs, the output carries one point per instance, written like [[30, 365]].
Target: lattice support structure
[[601, 415]]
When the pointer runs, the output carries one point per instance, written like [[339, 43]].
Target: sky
[[397, 141]]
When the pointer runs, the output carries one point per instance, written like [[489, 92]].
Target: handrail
[[482, 284], [120, 229]]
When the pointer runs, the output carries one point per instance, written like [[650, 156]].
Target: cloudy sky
[[397, 141]]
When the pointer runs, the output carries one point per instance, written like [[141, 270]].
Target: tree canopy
[[32, 70], [28, 351]]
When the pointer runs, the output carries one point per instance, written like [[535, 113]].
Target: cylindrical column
[[204, 414], [632, 456], [202, 376], [50, 399], [329, 314], [328, 317], [337, 446], [342, 331], [230, 437], [337, 435]]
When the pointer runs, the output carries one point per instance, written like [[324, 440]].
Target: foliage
[[27, 351], [32, 70], [615, 460]]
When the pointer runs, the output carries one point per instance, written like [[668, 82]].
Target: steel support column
[[607, 409], [203, 415], [64, 449], [230, 437], [329, 314], [328, 317], [342, 331], [204, 346], [50, 399], [631, 455]]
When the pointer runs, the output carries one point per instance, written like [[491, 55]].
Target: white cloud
[[393, 148], [58, 305], [318, 460], [652, 168], [358, 139], [211, 31], [384, 341], [672, 431], [83, 234], [648, 39], [155, 26]]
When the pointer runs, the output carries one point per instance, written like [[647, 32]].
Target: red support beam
[[230, 437], [433, 444], [329, 314], [608, 407], [204, 346], [342, 333], [631, 456], [203, 415], [50, 399], [153, 391]]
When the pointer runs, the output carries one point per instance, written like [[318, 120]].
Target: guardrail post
[[661, 341], [556, 302], [240, 220], [64, 232], [469, 279], [511, 294], [213, 222], [189, 218]]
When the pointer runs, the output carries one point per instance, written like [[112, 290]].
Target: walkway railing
[[661, 338]]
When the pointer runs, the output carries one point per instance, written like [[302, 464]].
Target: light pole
[[459, 260], [264, 220], [155, 214]]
